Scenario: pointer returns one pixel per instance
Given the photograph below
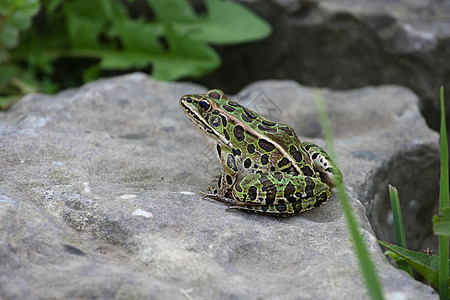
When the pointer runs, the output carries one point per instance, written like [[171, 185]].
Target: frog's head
[[206, 112]]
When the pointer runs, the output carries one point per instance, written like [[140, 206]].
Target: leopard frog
[[266, 167]]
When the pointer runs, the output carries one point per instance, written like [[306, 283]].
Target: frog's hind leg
[[329, 173]]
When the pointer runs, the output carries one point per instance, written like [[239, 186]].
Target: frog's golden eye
[[216, 94], [205, 105]]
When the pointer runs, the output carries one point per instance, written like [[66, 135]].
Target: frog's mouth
[[210, 133]]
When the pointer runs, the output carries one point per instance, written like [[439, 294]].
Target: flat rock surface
[[98, 197]]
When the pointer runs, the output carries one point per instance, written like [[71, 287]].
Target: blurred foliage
[[76, 41]]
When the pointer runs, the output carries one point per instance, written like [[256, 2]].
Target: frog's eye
[[216, 94], [205, 105]]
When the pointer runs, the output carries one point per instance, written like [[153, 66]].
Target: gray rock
[[98, 197], [343, 44]]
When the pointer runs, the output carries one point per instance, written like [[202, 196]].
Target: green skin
[[266, 167]]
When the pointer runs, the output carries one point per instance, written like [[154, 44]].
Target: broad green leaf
[[425, 265], [15, 16], [186, 58], [136, 35], [401, 263], [442, 223], [85, 22], [227, 22], [172, 10]]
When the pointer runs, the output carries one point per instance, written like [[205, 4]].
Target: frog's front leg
[[228, 177], [328, 170]]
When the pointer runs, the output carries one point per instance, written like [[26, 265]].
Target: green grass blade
[[397, 214], [443, 203], [367, 266]]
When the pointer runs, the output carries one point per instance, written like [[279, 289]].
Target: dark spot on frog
[[295, 153], [314, 156], [238, 188], [233, 103], [215, 121], [264, 159], [268, 123], [269, 188], [251, 148], [246, 118], [239, 133], [229, 179], [310, 185], [283, 162], [247, 163], [287, 130], [267, 129], [307, 171], [289, 190], [225, 133], [214, 95], [236, 152], [73, 250], [266, 145], [252, 193], [224, 121], [228, 108], [272, 168], [249, 113]]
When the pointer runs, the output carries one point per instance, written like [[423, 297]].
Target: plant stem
[[443, 203]]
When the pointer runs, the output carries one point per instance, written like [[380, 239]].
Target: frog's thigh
[[279, 191], [324, 164]]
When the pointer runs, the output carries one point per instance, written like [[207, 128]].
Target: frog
[[266, 168]]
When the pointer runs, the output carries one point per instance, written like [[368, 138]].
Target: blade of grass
[[397, 214], [367, 266], [443, 203], [399, 231]]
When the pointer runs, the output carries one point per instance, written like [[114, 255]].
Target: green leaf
[[425, 265], [84, 23], [227, 22], [401, 263], [15, 16], [186, 58], [172, 10], [138, 36], [442, 223]]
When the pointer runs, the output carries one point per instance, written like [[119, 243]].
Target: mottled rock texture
[[98, 197]]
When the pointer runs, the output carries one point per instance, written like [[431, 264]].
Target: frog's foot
[[219, 198]]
